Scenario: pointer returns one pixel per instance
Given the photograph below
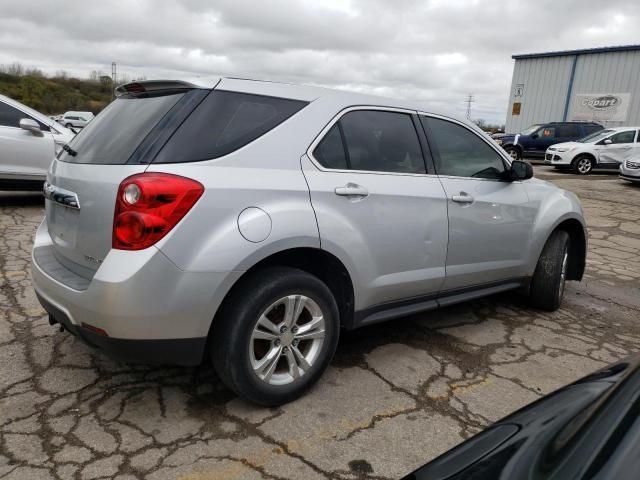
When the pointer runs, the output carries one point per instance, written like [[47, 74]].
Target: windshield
[[530, 130], [596, 136]]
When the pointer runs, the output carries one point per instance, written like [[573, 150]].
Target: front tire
[[548, 282], [275, 335], [582, 165], [69, 125], [514, 153]]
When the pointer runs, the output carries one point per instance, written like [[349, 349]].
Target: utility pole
[[470, 100], [114, 77]]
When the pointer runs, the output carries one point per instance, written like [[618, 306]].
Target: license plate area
[[63, 225]]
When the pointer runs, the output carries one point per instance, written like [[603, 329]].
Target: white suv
[[76, 119], [29, 141], [603, 149]]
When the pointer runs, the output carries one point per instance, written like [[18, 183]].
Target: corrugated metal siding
[[617, 72], [545, 88], [546, 81]]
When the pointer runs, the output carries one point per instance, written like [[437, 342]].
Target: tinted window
[[462, 153], [566, 131], [589, 129], [225, 122], [330, 151], [114, 135], [382, 141], [10, 117], [624, 137]]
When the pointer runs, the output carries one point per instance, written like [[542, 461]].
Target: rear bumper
[[177, 351], [150, 310]]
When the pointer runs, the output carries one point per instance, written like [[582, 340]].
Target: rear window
[[115, 134], [224, 122]]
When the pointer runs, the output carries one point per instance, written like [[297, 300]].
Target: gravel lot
[[397, 394]]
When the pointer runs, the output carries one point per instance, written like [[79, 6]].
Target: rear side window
[[374, 140], [224, 122], [461, 153], [330, 151], [115, 134]]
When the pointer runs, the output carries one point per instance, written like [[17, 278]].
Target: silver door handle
[[462, 198], [351, 190]]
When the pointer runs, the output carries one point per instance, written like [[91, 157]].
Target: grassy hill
[[58, 94]]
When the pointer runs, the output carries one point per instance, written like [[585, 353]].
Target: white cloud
[[433, 51]]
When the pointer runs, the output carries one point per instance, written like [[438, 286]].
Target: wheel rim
[[563, 274], [584, 165], [513, 153], [287, 339]]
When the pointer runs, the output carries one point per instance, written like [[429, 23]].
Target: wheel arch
[[320, 263], [577, 247], [584, 154]]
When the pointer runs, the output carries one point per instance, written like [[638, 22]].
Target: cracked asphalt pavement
[[397, 394]]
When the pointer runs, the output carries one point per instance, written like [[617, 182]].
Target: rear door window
[[224, 122], [374, 141], [568, 131]]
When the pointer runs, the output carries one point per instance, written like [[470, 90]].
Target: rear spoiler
[[148, 86]]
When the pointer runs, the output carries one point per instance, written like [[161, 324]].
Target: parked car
[[76, 119], [251, 221], [28, 142], [534, 141], [630, 170], [603, 149], [589, 429]]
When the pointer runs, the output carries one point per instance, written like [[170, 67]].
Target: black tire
[[514, 152], [548, 282], [69, 125], [582, 165], [232, 347]]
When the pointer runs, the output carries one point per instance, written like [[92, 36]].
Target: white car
[[76, 119], [602, 149], [29, 141]]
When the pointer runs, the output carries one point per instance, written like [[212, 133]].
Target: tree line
[[57, 93]]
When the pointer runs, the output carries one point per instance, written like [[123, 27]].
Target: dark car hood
[[590, 429]]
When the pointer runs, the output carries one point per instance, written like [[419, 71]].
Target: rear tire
[[582, 165], [514, 153], [265, 355], [548, 282]]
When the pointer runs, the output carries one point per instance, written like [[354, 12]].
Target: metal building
[[597, 84]]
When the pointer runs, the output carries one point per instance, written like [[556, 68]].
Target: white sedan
[[603, 149], [29, 141]]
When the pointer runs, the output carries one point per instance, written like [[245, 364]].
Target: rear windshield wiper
[[70, 150]]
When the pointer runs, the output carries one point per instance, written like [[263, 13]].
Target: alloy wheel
[[287, 340], [563, 273], [584, 165]]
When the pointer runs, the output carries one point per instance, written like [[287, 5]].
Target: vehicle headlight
[[565, 149]]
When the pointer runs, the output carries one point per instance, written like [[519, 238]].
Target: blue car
[[534, 141]]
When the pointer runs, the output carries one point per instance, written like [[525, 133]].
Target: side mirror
[[31, 126], [534, 136], [520, 170], [607, 141]]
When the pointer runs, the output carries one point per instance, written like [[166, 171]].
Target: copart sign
[[611, 107]]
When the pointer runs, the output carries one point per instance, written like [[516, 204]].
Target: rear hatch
[[83, 181]]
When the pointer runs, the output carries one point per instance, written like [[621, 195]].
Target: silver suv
[[252, 221]]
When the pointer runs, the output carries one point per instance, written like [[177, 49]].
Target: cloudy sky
[[432, 51]]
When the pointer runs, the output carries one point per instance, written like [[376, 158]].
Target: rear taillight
[[149, 205]]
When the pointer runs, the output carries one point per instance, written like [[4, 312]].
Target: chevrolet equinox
[[250, 222]]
